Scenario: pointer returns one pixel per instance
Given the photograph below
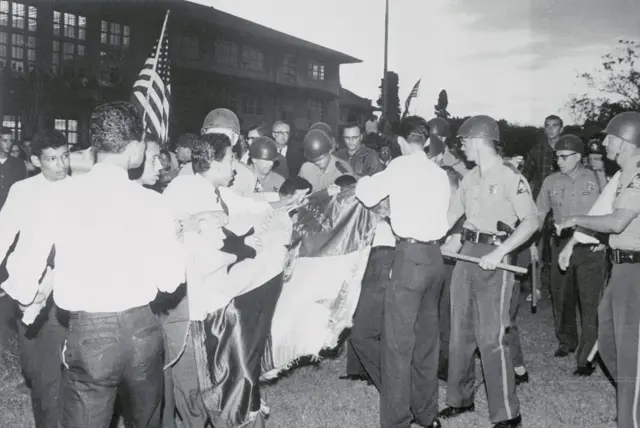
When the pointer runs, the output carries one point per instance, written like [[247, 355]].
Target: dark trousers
[[581, 285], [364, 342], [481, 319], [108, 354], [407, 371], [619, 339], [41, 360], [444, 310]]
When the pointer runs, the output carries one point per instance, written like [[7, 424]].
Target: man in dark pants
[[115, 247], [572, 191], [618, 315], [493, 192], [406, 372]]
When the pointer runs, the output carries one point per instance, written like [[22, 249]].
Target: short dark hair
[[351, 125], [45, 139], [114, 125], [345, 180], [5, 131], [414, 129], [208, 148], [291, 184], [553, 117], [186, 140]]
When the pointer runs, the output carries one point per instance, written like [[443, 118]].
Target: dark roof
[[348, 98], [225, 20]]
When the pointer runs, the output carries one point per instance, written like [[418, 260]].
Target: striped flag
[[152, 89], [413, 94]]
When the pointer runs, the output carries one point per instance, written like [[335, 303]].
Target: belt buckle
[[476, 237], [615, 256]]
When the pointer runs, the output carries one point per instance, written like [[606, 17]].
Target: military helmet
[[440, 127], [596, 147], [626, 126], [263, 148], [323, 127], [316, 145], [480, 126]]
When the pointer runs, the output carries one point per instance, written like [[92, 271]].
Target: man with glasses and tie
[[281, 132], [572, 191]]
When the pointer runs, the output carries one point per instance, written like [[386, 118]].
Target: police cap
[[263, 148], [316, 145], [626, 126]]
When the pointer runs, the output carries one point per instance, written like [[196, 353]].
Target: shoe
[[523, 378], [511, 423], [585, 370], [452, 412], [562, 352]]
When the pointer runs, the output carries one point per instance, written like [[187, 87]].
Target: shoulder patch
[[341, 167], [635, 182], [511, 167], [522, 187]]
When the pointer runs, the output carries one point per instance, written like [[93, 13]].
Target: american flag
[[413, 94], [152, 89]]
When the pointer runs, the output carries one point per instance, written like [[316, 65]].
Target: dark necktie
[[224, 206]]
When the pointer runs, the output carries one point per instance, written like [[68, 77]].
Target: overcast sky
[[512, 59]]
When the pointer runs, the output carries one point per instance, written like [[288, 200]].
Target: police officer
[[363, 160], [322, 167], [494, 191], [327, 129], [618, 314], [264, 153], [451, 156], [572, 191]]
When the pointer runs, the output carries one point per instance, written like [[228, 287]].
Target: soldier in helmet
[[618, 314], [596, 154], [451, 156], [322, 167], [491, 195], [264, 153], [327, 129]]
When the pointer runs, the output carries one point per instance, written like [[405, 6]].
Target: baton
[[535, 283], [592, 354], [504, 266]]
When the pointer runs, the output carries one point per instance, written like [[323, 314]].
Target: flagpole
[[158, 48], [385, 91]]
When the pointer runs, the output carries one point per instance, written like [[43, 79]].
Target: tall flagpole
[[386, 51]]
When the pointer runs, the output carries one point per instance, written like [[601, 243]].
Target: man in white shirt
[[40, 344], [406, 374], [115, 247]]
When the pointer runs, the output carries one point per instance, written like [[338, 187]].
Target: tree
[[392, 101], [617, 81], [441, 107]]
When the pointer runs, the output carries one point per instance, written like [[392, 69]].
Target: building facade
[[61, 58]]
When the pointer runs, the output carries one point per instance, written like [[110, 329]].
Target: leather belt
[[415, 241], [624, 256], [482, 238]]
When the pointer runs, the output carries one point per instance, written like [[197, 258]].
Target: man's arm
[[10, 220], [371, 190], [456, 207], [543, 203], [169, 258]]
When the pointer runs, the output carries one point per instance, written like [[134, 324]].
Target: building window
[[252, 58], [190, 47], [22, 17], [114, 34], [316, 71], [314, 110], [252, 105], [289, 66], [15, 124], [69, 128], [226, 52], [4, 47], [18, 47], [69, 25]]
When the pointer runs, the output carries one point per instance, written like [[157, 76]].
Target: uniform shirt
[[363, 162], [319, 179], [25, 206], [271, 183], [500, 194], [280, 166], [115, 245], [244, 180], [627, 197], [414, 213], [567, 195], [538, 164]]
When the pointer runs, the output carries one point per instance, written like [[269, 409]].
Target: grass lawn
[[314, 397]]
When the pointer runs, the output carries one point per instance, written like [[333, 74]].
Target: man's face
[[263, 166], [165, 161], [567, 160], [15, 151], [614, 146], [152, 164], [323, 162], [470, 148], [6, 142], [281, 134], [26, 146], [184, 154], [596, 162], [552, 128], [252, 135], [352, 139], [224, 169], [385, 153], [53, 162]]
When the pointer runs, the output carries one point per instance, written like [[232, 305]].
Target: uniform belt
[[415, 241], [624, 256], [482, 238]]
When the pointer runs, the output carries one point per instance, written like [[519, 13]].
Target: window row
[[68, 127], [18, 16]]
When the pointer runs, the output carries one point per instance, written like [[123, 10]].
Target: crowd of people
[[92, 237]]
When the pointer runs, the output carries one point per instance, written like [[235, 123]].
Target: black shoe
[[585, 370], [524, 378], [511, 423], [452, 412], [562, 352]]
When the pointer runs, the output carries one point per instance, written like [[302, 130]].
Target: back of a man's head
[[208, 148], [413, 129], [114, 125], [45, 139]]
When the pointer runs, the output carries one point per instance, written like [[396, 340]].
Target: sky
[[511, 59]]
